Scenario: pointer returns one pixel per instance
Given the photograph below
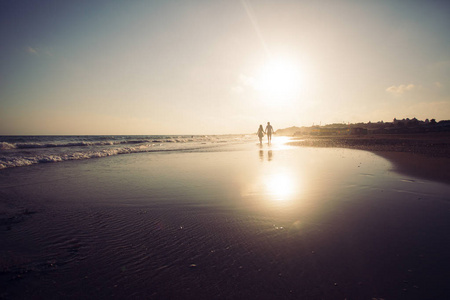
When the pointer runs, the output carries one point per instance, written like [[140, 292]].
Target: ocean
[[20, 151]]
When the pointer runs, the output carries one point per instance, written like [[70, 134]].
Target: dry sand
[[420, 155]]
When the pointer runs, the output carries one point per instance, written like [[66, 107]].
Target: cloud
[[39, 51], [438, 84], [32, 50], [401, 89], [247, 80], [244, 82], [237, 89]]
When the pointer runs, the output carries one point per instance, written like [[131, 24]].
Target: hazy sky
[[219, 66]]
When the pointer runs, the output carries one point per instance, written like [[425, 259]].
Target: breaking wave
[[31, 145], [26, 151], [49, 158]]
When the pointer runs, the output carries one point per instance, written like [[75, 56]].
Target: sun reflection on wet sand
[[275, 184], [277, 143], [280, 142], [280, 187]]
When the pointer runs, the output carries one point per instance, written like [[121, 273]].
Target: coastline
[[425, 156]]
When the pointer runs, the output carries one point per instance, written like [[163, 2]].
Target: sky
[[219, 66]]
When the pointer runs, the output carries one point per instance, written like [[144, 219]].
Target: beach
[[426, 155], [226, 221]]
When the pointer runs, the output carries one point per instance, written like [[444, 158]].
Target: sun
[[279, 77]]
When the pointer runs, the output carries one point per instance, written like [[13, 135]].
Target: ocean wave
[[27, 161], [33, 145], [7, 146], [68, 144], [11, 162], [29, 150]]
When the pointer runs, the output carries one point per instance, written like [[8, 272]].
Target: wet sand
[[248, 223], [422, 155]]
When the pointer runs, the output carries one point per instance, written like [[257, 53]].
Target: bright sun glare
[[280, 77], [280, 186]]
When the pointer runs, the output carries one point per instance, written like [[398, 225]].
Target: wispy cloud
[[244, 82], [237, 89], [39, 51], [32, 50], [438, 84], [401, 89], [247, 80]]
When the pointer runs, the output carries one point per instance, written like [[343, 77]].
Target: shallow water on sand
[[240, 221]]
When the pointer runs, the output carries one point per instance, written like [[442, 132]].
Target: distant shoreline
[[422, 155]]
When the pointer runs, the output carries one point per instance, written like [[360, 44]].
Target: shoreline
[[425, 156]]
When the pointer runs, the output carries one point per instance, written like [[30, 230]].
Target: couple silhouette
[[268, 131]]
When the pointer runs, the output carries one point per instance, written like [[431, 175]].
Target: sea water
[[19, 151]]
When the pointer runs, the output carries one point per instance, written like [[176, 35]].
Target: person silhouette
[[260, 133], [269, 131]]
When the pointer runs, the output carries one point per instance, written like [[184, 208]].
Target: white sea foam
[[56, 144], [7, 146], [25, 151]]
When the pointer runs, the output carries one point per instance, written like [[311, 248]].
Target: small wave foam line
[[7, 146], [27, 161], [11, 162], [31, 145]]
